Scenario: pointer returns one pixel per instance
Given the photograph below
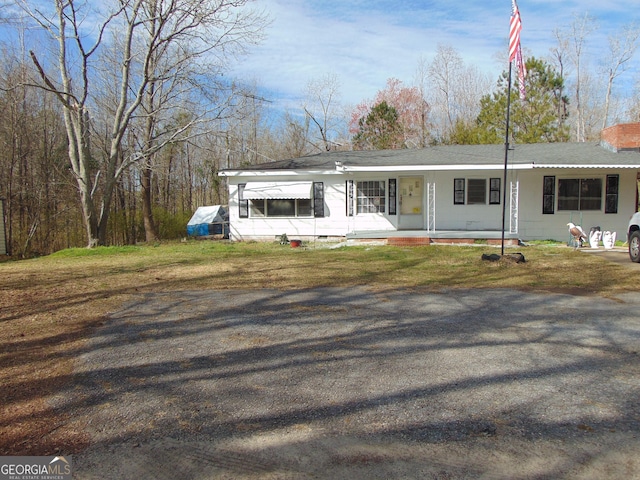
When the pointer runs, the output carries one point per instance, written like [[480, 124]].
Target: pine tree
[[379, 130], [539, 118]]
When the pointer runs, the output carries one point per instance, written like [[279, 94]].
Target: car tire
[[634, 246]]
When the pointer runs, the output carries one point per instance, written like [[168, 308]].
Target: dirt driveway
[[619, 255], [361, 384]]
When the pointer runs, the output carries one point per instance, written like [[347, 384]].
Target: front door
[[411, 193]]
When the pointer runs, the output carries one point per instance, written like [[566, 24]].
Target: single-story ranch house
[[443, 193]]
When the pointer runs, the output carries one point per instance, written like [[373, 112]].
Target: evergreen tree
[[539, 118], [380, 129]]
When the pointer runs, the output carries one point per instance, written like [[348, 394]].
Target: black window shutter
[[494, 191], [393, 208], [458, 191], [611, 203], [318, 199], [243, 205], [548, 195], [350, 198]]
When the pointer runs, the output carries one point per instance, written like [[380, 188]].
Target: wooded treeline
[[114, 132]]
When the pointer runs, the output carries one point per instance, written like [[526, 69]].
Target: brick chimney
[[624, 136]]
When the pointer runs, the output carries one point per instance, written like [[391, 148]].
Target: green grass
[[211, 264], [94, 252]]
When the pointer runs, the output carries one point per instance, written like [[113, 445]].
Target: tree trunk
[[110, 183], [79, 157], [150, 231], [88, 215]]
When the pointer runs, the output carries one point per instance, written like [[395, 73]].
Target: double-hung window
[[370, 197], [476, 191]]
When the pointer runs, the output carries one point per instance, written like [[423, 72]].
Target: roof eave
[[433, 168], [273, 173], [603, 165]]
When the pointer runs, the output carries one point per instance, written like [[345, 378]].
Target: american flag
[[515, 51]]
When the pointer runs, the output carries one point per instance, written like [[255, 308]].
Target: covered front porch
[[424, 237]]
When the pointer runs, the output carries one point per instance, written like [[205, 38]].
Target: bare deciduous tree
[[453, 89], [577, 36], [444, 72], [559, 61], [423, 86], [321, 105], [147, 30], [622, 47]]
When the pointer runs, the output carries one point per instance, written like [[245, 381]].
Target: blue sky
[[365, 42]]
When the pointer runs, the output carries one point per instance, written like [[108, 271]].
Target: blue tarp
[[209, 220]]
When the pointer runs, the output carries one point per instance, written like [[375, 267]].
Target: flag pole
[[506, 156]]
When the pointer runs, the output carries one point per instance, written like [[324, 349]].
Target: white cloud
[[367, 42]]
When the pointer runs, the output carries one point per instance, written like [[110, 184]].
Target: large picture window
[[281, 208], [580, 194], [370, 197]]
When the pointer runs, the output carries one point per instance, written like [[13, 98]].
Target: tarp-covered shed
[[209, 220]]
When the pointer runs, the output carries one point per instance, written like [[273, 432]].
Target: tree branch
[[62, 96]]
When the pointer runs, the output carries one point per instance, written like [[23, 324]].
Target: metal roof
[[453, 157]]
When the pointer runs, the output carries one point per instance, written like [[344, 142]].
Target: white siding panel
[[533, 224], [466, 217]]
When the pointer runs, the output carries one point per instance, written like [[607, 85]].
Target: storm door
[[411, 199]]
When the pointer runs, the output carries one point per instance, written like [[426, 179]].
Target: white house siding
[[333, 224], [450, 216], [532, 223]]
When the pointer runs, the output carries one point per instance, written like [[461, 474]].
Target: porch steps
[[408, 241]]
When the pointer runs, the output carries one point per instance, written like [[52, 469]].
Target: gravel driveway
[[361, 384]]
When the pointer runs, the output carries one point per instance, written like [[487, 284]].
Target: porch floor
[[423, 237]]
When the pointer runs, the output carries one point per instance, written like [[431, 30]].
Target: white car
[[633, 237]]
